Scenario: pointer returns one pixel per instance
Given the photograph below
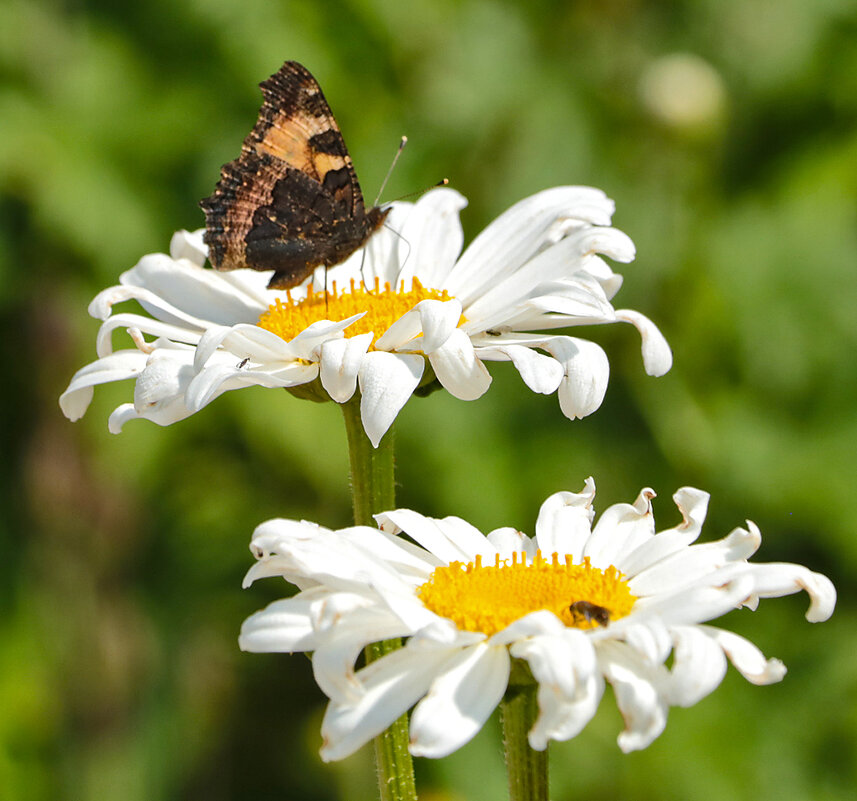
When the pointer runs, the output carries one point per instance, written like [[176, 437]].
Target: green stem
[[373, 490], [527, 769]]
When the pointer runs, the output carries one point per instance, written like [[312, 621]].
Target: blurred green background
[[724, 131]]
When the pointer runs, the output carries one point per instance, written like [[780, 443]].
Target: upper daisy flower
[[403, 310], [580, 605]]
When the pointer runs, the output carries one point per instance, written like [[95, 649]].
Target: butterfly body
[[291, 201]]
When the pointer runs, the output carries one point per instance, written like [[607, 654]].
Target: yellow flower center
[[382, 307], [487, 599]]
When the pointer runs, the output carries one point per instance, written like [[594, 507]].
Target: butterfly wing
[[291, 201]]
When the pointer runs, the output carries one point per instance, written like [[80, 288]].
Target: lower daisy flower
[[426, 311], [582, 606]]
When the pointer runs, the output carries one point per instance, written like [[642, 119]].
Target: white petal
[[560, 718], [578, 299], [179, 290], [698, 666], [404, 556], [714, 596], [539, 372], [307, 344], [560, 261], [163, 381], [118, 366], [340, 364], [189, 245], [146, 325], [216, 379], [275, 535], [467, 537], [431, 237], [438, 321], [637, 686], [693, 505], [435, 320], [444, 632], [391, 685], [570, 686], [335, 656], [460, 701], [657, 356], [620, 529], [386, 381], [610, 282], [541, 622], [401, 333], [121, 415], [520, 232], [457, 368], [431, 534], [562, 660], [746, 657], [244, 341], [382, 259], [694, 563], [508, 540], [586, 374], [564, 521], [774, 579], [334, 561], [648, 635], [283, 626]]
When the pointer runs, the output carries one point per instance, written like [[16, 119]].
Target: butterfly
[[291, 201]]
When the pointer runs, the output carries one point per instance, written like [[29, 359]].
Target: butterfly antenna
[[390, 171], [441, 182]]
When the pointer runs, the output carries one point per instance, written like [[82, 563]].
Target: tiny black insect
[[591, 613]]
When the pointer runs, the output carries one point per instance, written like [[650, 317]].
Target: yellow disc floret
[[382, 306], [489, 598]]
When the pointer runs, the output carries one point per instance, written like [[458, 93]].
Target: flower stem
[[373, 490], [526, 768]]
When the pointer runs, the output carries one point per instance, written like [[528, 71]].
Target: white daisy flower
[[580, 605], [425, 312]]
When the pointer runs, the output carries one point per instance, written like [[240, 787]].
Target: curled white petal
[[564, 524], [746, 657], [189, 245], [773, 580], [115, 367], [586, 372], [539, 372], [657, 355]]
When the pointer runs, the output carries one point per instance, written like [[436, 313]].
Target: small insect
[[243, 362], [591, 613]]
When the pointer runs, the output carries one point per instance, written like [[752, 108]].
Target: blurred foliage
[[725, 132]]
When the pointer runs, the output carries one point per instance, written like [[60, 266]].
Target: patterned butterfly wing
[[291, 201]]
